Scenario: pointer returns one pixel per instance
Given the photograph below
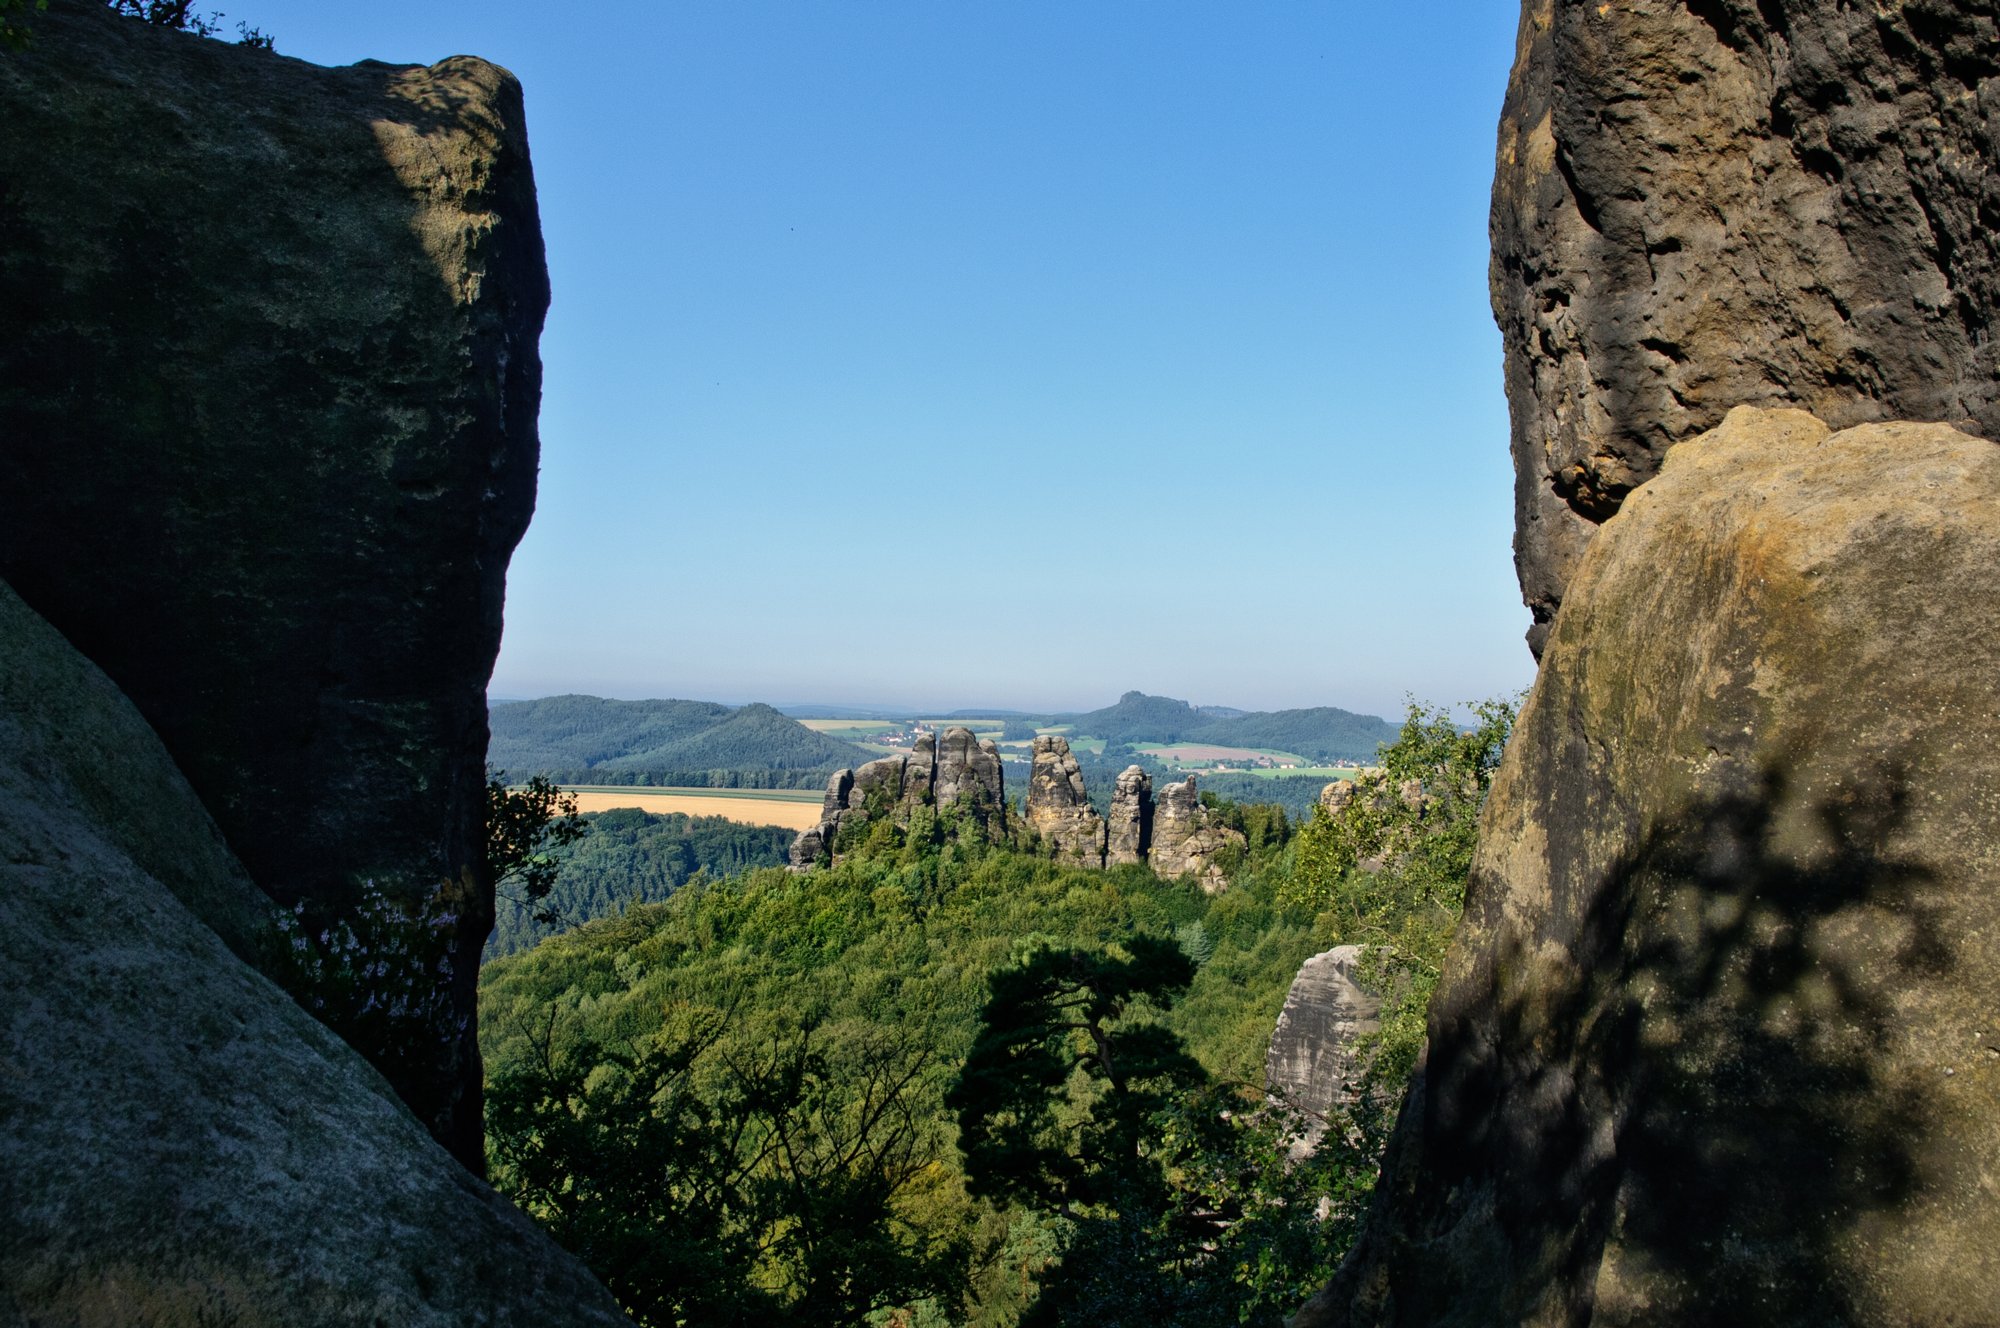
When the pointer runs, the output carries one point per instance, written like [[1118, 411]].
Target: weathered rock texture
[[268, 389], [955, 772], [1314, 1063], [1188, 839], [180, 1144], [1058, 808], [1129, 833], [1764, 202], [1719, 1041]]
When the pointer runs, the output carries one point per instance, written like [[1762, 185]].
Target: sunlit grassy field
[[795, 809]]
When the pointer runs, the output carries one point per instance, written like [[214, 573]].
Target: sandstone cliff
[[1762, 202], [1188, 839], [1128, 836], [1058, 808], [956, 772], [180, 1144], [268, 389], [1718, 1041]]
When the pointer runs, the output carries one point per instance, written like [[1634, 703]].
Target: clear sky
[[1004, 353]]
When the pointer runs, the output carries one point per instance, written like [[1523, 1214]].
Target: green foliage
[[1054, 1016], [523, 828], [14, 29], [709, 1183], [182, 16], [1388, 870], [630, 856], [894, 944], [1175, 1199]]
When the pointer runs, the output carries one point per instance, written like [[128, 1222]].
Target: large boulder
[[180, 1144], [1764, 202], [1719, 1041], [1315, 1063], [268, 388], [1058, 807]]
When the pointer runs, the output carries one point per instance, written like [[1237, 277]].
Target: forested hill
[[582, 739], [1322, 733]]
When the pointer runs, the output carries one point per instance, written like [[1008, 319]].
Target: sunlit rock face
[[180, 1144], [1129, 830], [1315, 1062], [1188, 839], [1763, 202], [268, 388], [956, 776], [1058, 807], [1718, 1042]]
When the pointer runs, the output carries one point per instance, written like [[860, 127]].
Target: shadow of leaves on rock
[[1688, 1117]]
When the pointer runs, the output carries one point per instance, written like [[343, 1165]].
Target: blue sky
[[1015, 354]]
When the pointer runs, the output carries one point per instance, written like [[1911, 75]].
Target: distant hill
[[1322, 733], [581, 739]]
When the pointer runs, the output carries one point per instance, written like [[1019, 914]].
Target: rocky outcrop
[[1129, 834], [1337, 794], [1188, 839], [968, 771], [180, 1144], [958, 773], [1717, 1042], [1764, 202], [1176, 837], [268, 391], [1058, 809], [1314, 1064]]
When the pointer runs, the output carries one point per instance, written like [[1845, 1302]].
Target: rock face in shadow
[[1188, 839], [1129, 832], [268, 390], [1762, 202], [1717, 1042], [180, 1144], [1313, 1063], [1058, 808]]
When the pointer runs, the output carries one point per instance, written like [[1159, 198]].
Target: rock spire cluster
[[1175, 835], [955, 772]]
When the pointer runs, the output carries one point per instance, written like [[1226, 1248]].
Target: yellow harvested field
[[788, 812]]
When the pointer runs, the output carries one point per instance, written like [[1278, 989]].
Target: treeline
[[625, 857]]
